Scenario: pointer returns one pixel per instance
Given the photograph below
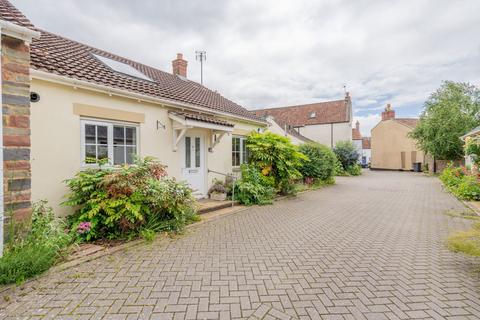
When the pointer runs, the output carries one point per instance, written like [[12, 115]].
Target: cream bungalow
[[88, 104]]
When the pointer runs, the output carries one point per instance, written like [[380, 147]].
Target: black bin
[[417, 167]]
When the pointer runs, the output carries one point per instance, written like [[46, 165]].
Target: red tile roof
[[11, 14], [203, 118], [409, 122], [61, 56], [356, 135], [366, 143], [310, 114]]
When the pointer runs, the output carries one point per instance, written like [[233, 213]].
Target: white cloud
[[273, 53]]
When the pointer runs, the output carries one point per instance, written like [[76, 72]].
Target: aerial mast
[[201, 56]]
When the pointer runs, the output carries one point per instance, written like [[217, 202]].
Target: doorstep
[[207, 205]]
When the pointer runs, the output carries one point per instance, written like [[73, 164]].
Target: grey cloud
[[272, 53]]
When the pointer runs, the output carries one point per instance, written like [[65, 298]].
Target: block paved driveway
[[370, 247]]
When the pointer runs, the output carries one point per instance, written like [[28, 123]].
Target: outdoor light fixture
[[160, 125]]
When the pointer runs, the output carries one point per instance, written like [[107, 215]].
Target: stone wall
[[16, 129]]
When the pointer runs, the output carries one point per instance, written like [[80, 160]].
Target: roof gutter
[[42, 75]]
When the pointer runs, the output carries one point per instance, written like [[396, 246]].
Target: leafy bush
[[254, 187], [36, 251], [321, 161], [354, 170], [116, 203], [218, 186], [467, 242], [338, 169], [346, 153], [460, 183], [276, 157]]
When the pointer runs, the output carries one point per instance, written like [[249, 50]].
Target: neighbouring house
[[89, 104], [323, 122], [15, 173], [366, 151], [357, 140], [286, 130], [391, 147]]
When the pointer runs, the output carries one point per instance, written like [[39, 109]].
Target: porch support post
[[177, 137]]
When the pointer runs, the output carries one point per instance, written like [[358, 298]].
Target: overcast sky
[[276, 53]]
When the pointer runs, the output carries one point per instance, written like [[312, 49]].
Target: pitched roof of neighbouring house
[[11, 14], [409, 122], [366, 143], [61, 56], [310, 114], [291, 131]]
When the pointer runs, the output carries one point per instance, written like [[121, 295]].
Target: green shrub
[[36, 251], [467, 189], [118, 203], [338, 170], [346, 153], [276, 157], [321, 161], [354, 170], [254, 187], [460, 183]]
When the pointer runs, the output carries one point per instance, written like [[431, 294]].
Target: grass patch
[[466, 242], [466, 214]]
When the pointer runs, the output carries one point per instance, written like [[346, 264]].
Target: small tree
[[277, 157], [449, 113], [346, 153], [321, 163]]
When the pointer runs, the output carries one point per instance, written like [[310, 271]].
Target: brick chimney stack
[[389, 113], [179, 66]]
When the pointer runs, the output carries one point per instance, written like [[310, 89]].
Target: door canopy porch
[[182, 121]]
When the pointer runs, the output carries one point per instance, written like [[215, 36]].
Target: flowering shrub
[[459, 182], [254, 187], [472, 149], [114, 203], [276, 157]]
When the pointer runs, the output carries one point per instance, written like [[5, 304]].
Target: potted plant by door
[[217, 191]]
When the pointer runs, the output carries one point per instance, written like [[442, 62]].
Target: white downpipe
[[1, 153]]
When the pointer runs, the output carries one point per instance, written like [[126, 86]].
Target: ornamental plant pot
[[218, 196]]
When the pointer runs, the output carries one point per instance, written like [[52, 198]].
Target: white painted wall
[[367, 153], [322, 133], [358, 146], [56, 139]]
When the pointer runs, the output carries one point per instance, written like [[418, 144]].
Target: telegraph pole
[[201, 56]]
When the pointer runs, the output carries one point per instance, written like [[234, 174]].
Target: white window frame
[[243, 140], [109, 125]]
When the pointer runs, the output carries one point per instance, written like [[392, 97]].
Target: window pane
[[90, 153], [89, 133], [188, 153], [131, 136], [197, 152], [102, 135], [131, 153], [236, 159], [118, 135], [244, 151], [118, 155], [102, 152]]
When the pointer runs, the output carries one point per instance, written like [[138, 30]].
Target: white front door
[[193, 168]]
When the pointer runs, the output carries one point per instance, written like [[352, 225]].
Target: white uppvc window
[[117, 142], [239, 151]]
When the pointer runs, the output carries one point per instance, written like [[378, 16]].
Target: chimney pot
[[179, 66], [389, 113], [357, 125]]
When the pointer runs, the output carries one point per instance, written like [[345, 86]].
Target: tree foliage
[[346, 153], [276, 157], [321, 161], [449, 113]]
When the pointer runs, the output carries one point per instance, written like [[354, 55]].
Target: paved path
[[371, 247]]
